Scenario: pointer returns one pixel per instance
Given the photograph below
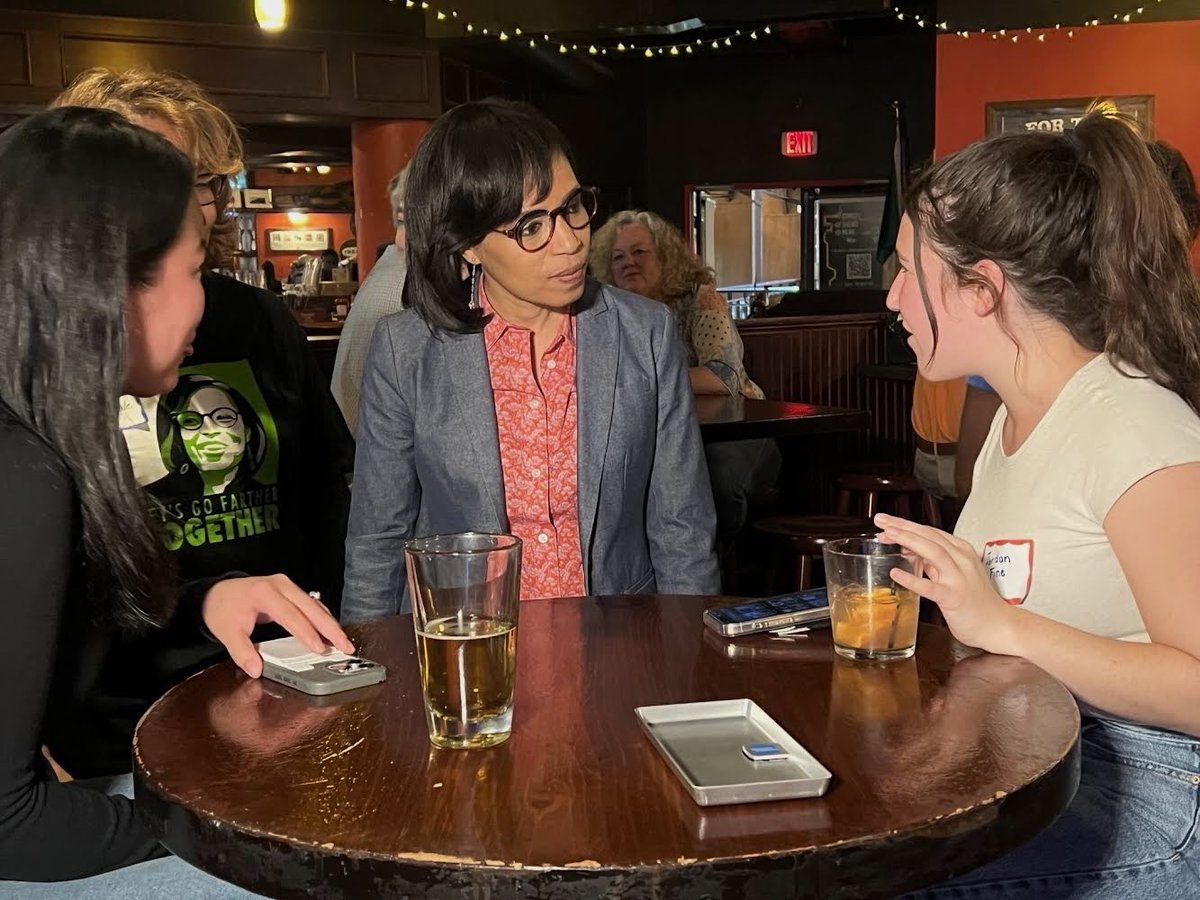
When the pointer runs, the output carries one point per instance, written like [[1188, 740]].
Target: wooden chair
[[861, 489], [804, 537]]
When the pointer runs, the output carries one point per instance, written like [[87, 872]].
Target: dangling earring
[[475, 286]]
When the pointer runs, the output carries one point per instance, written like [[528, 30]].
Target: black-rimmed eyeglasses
[[210, 187], [535, 229], [222, 417]]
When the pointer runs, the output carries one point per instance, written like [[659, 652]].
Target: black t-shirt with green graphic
[[247, 464]]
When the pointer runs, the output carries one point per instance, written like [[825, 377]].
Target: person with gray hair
[[378, 296]]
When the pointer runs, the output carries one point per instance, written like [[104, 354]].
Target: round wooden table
[[940, 763]]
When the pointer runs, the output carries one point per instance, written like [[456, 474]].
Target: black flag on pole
[[897, 184]]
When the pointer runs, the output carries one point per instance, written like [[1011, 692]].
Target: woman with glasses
[[298, 498], [212, 434], [642, 252], [513, 394]]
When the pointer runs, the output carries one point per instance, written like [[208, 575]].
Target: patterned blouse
[[537, 428], [711, 340]]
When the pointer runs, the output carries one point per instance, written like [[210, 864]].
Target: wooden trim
[[293, 77]]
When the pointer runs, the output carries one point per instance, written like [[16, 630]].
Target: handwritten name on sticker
[[1009, 564]]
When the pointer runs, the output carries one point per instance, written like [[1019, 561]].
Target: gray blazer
[[428, 458]]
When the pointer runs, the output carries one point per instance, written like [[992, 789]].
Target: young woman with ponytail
[[1056, 266]]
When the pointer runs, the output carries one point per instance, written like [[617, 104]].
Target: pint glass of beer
[[465, 595]]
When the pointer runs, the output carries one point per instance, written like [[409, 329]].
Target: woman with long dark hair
[[249, 341], [1056, 266], [523, 397], [101, 246]]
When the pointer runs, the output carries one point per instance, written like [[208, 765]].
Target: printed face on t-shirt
[[214, 434]]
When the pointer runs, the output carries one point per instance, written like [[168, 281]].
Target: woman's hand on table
[[954, 578], [233, 607]]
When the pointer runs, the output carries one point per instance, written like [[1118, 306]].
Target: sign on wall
[[847, 235], [299, 240], [1062, 115]]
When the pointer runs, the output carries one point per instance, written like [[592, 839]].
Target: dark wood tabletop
[[939, 763], [736, 418]]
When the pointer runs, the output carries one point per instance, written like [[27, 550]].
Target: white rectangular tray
[[703, 744]]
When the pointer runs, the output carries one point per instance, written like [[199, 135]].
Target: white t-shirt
[[1037, 516]]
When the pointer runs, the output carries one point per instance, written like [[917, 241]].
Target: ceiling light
[[271, 15]]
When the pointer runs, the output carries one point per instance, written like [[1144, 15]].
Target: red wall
[[379, 148], [339, 222], [1159, 58]]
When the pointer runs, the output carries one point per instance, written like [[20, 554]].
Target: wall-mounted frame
[[256, 198], [1061, 115], [299, 240], [846, 238]]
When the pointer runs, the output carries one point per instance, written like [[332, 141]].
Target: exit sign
[[799, 143]]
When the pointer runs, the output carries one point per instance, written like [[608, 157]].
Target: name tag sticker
[[1009, 563]]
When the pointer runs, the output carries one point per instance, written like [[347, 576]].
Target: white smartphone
[[289, 662], [804, 608]]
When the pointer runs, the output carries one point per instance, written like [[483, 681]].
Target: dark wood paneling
[[227, 70], [391, 77], [816, 359], [293, 77], [14, 58]]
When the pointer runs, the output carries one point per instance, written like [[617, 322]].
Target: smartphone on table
[[809, 607], [289, 662]]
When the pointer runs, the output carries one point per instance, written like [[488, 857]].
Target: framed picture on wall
[[846, 233], [299, 240], [1062, 115]]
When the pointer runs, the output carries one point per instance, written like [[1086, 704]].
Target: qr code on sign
[[858, 266]]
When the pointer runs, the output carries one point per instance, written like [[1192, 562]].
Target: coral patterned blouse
[[538, 454]]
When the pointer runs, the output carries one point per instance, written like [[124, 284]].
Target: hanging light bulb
[[272, 15]]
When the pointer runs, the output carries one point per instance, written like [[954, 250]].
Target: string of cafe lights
[[515, 34], [1028, 32]]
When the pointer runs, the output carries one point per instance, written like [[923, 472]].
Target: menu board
[[847, 237]]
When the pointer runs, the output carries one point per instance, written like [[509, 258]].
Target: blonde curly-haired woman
[[641, 252]]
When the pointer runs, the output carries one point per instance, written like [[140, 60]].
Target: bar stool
[[897, 484], [805, 537]]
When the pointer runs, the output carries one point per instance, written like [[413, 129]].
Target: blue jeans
[[154, 879], [1129, 834]]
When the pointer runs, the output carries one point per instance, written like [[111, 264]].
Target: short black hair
[[470, 175]]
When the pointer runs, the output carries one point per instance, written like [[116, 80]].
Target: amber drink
[[872, 616], [466, 595]]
